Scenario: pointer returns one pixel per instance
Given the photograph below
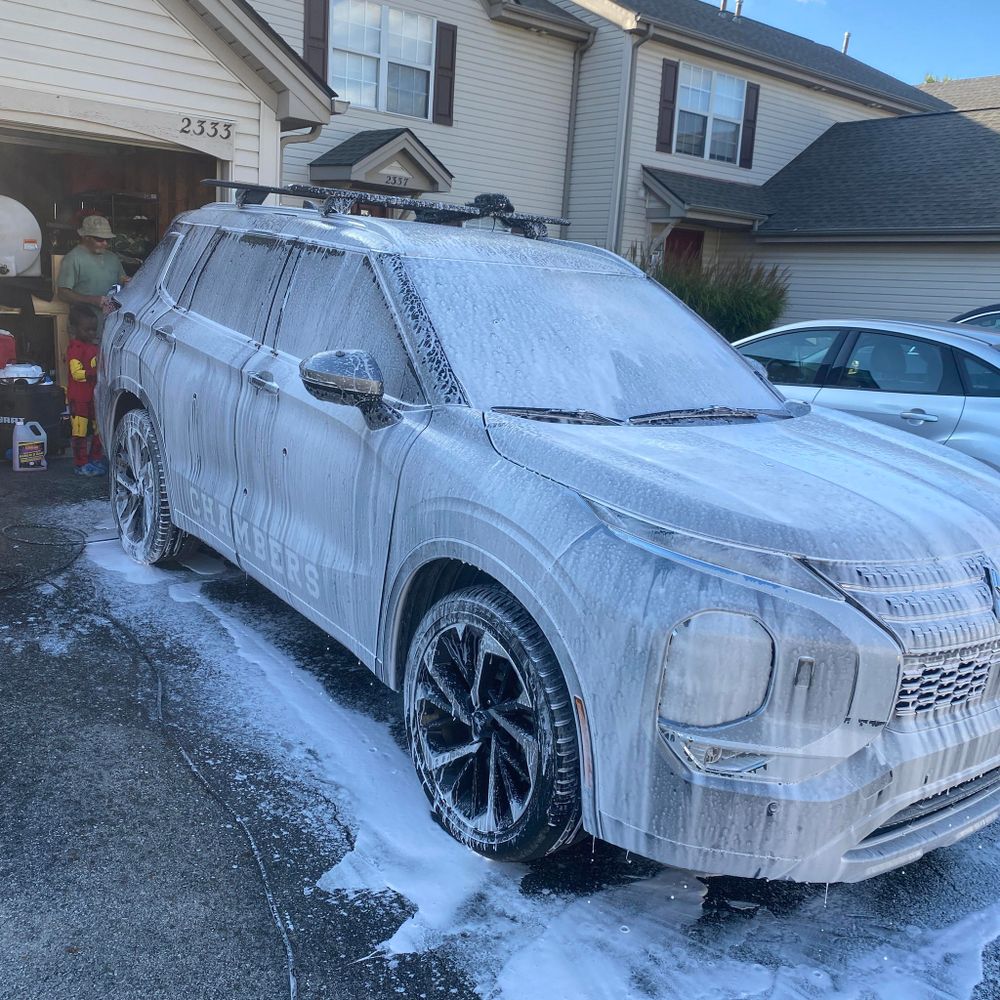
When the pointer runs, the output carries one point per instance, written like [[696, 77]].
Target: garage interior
[[60, 180]]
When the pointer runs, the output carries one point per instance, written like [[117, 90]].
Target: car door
[[797, 362], [213, 331], [904, 382], [313, 515], [978, 431]]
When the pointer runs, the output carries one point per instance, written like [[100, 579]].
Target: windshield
[[612, 344]]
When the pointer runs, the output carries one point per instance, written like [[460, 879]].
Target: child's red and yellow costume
[[81, 359]]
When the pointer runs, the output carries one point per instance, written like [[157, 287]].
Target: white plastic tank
[[20, 241]]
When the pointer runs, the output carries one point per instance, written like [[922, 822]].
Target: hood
[[823, 486]]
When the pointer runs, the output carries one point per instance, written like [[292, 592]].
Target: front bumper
[[845, 825]]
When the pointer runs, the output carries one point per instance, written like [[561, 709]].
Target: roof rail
[[339, 201]]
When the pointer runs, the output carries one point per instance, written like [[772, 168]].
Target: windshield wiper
[[701, 412], [556, 415]]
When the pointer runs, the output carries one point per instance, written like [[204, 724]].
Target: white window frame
[[710, 116], [384, 60]]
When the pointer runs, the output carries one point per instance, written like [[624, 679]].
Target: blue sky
[[906, 38]]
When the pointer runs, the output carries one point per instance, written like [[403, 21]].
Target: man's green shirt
[[89, 273]]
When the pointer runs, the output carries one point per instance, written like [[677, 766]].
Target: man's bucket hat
[[96, 225]]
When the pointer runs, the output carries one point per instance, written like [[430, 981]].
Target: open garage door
[[59, 180]]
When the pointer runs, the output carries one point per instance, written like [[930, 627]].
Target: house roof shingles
[[698, 18], [931, 173], [969, 94], [715, 195], [357, 147]]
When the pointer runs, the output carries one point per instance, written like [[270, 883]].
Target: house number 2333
[[206, 126]]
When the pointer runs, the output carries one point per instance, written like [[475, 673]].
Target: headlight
[[773, 570], [717, 670]]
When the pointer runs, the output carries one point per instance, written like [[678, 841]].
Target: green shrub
[[738, 298]]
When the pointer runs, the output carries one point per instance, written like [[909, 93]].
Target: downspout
[[622, 179], [291, 138], [574, 96]]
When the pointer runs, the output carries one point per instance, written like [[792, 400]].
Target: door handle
[[919, 415], [165, 333], [264, 381]]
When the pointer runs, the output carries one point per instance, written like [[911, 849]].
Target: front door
[[313, 513]]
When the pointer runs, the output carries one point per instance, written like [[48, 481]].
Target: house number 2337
[[206, 126]]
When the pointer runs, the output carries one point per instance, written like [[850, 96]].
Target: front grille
[[943, 613], [946, 679]]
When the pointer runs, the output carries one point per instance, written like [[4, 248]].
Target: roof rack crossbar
[[340, 201]]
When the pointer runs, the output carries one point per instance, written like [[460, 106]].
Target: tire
[[139, 493], [498, 759]]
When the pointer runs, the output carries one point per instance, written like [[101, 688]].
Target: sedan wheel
[[138, 491], [490, 727]]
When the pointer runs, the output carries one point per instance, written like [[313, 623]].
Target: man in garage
[[90, 268]]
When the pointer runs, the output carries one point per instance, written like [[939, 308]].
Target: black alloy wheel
[[490, 727], [139, 492]]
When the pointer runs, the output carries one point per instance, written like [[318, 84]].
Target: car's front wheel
[[139, 492], [490, 725]]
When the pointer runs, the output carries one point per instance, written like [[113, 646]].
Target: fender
[[112, 394], [390, 622]]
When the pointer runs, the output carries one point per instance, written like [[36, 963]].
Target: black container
[[42, 403]]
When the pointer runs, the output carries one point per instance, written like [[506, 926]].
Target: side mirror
[[348, 378]]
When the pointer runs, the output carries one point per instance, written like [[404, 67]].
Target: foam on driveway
[[916, 933]]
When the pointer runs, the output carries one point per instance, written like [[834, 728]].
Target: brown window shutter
[[749, 125], [444, 74], [316, 43], [668, 103]]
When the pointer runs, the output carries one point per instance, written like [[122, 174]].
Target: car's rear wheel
[[139, 492], [491, 728]]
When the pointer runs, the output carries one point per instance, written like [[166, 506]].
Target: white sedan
[[938, 380]]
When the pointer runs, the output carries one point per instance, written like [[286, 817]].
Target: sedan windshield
[[610, 344]]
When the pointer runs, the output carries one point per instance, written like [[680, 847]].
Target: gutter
[[624, 150], [574, 100], [289, 139]]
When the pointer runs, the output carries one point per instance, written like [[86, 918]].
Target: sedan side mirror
[[348, 378]]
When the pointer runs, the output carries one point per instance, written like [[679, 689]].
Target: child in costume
[[81, 359]]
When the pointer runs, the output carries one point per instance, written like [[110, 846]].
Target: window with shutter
[[390, 59], [712, 111]]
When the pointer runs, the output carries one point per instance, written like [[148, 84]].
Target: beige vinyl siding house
[[599, 132], [108, 103], [510, 115], [133, 71], [931, 281], [790, 117]]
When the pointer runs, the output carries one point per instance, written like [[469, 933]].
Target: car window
[[793, 358], [890, 363], [144, 281], [991, 320], [236, 286], [195, 241], [335, 302], [980, 378]]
